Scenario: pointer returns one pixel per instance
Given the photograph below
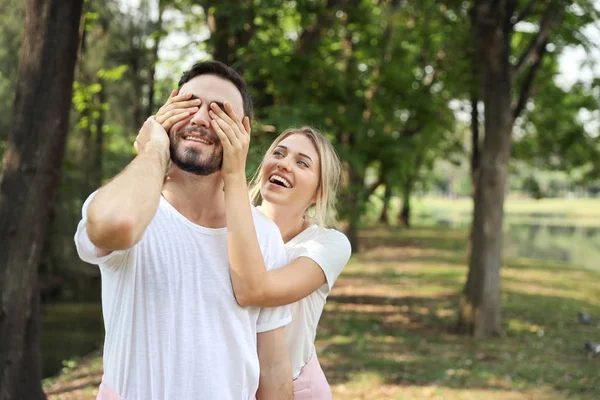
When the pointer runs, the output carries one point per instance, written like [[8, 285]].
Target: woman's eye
[[305, 165], [277, 154]]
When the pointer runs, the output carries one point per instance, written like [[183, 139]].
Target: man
[[173, 327]]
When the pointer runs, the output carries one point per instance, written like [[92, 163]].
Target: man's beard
[[189, 159]]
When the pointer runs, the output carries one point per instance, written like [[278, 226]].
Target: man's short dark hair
[[222, 71]]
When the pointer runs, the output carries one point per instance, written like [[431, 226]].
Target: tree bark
[[99, 143], [405, 212], [356, 185], [226, 33], [475, 141], [479, 309], [152, 78], [387, 196], [479, 312], [31, 170]]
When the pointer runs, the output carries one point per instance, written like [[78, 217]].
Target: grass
[[585, 211], [387, 331]]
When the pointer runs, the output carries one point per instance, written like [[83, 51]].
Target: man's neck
[[198, 198], [290, 222]]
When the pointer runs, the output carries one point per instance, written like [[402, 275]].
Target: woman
[[297, 182]]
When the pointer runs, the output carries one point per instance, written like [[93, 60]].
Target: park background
[[469, 132]]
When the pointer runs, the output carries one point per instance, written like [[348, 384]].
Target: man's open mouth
[[196, 138]]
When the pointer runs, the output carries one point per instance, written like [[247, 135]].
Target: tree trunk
[[152, 78], [475, 94], [479, 312], [31, 170], [405, 212], [475, 153], [353, 203], [387, 196], [227, 34], [99, 143]]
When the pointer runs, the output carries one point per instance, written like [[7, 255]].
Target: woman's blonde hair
[[323, 211]]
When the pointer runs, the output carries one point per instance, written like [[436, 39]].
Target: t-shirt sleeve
[[86, 250], [273, 251], [331, 250]]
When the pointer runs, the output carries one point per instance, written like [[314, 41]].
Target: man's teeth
[[280, 179], [196, 139]]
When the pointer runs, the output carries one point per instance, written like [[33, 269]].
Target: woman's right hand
[[234, 133], [178, 107]]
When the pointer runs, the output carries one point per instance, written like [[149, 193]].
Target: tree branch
[[311, 35], [410, 132], [540, 39], [373, 187], [527, 83], [526, 11], [385, 58]]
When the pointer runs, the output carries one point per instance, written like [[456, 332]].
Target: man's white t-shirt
[[331, 250], [173, 327]]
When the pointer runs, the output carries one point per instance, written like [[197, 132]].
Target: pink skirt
[[105, 392], [312, 384]]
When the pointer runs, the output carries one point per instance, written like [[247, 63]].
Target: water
[[546, 236], [69, 331]]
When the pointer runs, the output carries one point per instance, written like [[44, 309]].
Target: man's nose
[[201, 118]]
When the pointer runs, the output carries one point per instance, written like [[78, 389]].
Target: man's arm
[[275, 368], [122, 209]]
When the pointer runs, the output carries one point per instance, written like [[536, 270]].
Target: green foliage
[[376, 77]]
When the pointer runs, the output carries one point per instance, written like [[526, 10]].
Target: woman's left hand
[[235, 138]]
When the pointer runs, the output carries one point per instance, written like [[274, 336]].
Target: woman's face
[[291, 173]]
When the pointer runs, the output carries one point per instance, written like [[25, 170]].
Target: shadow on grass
[[393, 313], [410, 341]]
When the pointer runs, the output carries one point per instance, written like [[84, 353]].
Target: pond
[[69, 331], [541, 236]]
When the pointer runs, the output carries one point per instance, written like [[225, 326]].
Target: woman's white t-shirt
[[330, 249]]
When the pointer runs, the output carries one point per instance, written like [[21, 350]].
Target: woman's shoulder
[[265, 227], [330, 237]]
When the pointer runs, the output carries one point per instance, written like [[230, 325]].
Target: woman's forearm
[[248, 271]]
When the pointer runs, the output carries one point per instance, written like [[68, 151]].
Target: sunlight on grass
[[400, 313], [559, 207]]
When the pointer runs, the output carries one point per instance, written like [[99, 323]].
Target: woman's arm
[[252, 283]]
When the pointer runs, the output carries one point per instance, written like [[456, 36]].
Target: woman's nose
[[284, 164]]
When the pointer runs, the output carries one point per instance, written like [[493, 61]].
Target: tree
[[11, 29], [506, 88], [31, 170]]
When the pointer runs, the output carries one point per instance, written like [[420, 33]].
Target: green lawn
[[567, 207], [386, 332]]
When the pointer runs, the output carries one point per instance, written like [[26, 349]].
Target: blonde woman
[[295, 186]]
